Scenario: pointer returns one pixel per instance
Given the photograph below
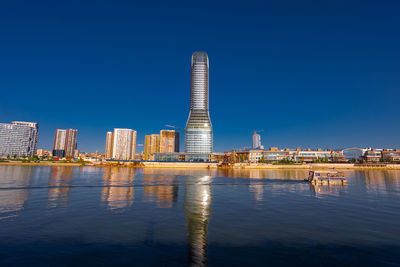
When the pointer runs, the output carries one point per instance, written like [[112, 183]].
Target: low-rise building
[[390, 155], [175, 156], [373, 155]]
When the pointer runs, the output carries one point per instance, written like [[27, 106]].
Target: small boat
[[326, 177]]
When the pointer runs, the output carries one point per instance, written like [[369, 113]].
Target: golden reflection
[[376, 180], [59, 186], [196, 205], [118, 190], [160, 189], [12, 177]]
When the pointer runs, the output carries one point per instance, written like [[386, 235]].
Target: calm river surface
[[188, 217]]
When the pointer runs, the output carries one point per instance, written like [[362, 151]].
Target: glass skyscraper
[[18, 138], [199, 135]]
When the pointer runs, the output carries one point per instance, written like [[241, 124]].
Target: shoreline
[[206, 165]]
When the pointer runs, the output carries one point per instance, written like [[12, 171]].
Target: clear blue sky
[[310, 73]]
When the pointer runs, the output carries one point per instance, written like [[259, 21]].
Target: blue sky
[[309, 73]]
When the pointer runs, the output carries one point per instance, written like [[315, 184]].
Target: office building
[[199, 134], [121, 144], [151, 146], [169, 141], [65, 143], [18, 138]]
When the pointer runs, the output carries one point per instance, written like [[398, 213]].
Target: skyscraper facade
[[18, 138], [198, 134], [124, 144], [169, 141], [151, 145], [256, 140], [65, 142]]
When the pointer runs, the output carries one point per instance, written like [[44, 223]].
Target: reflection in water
[[327, 190], [12, 200], [59, 183], [387, 180], [196, 205], [160, 188], [118, 190]]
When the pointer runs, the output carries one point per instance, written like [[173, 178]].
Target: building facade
[[278, 155], [65, 143], [109, 145], [256, 140], [124, 144], [199, 134], [169, 141], [151, 146], [391, 155], [18, 138]]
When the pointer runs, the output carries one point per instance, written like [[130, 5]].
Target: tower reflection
[[196, 205], [12, 200], [59, 186], [118, 190]]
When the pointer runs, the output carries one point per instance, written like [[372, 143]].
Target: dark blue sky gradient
[[310, 73]]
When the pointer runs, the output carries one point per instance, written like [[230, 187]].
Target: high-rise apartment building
[[199, 134], [109, 145], [121, 144], [169, 141], [256, 140], [151, 145], [18, 138], [65, 143]]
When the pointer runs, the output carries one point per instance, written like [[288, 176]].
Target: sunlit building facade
[[109, 145], [65, 142], [124, 144], [18, 138], [199, 134], [151, 145], [169, 141]]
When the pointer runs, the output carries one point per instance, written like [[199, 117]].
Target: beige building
[[151, 146], [121, 144], [169, 141], [109, 145]]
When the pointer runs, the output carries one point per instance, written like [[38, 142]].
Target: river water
[[195, 217]]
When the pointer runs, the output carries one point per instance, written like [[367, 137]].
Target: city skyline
[[294, 72]]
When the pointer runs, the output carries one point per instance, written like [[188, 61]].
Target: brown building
[[151, 146], [169, 141], [109, 145]]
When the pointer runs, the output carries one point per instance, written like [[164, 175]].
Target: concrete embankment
[[179, 165], [216, 165], [318, 166]]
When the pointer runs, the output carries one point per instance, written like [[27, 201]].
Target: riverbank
[[209, 165], [343, 166], [42, 163]]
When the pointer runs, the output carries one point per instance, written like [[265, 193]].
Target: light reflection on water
[[209, 212]]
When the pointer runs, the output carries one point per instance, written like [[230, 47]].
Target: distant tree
[[8, 156], [15, 156]]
